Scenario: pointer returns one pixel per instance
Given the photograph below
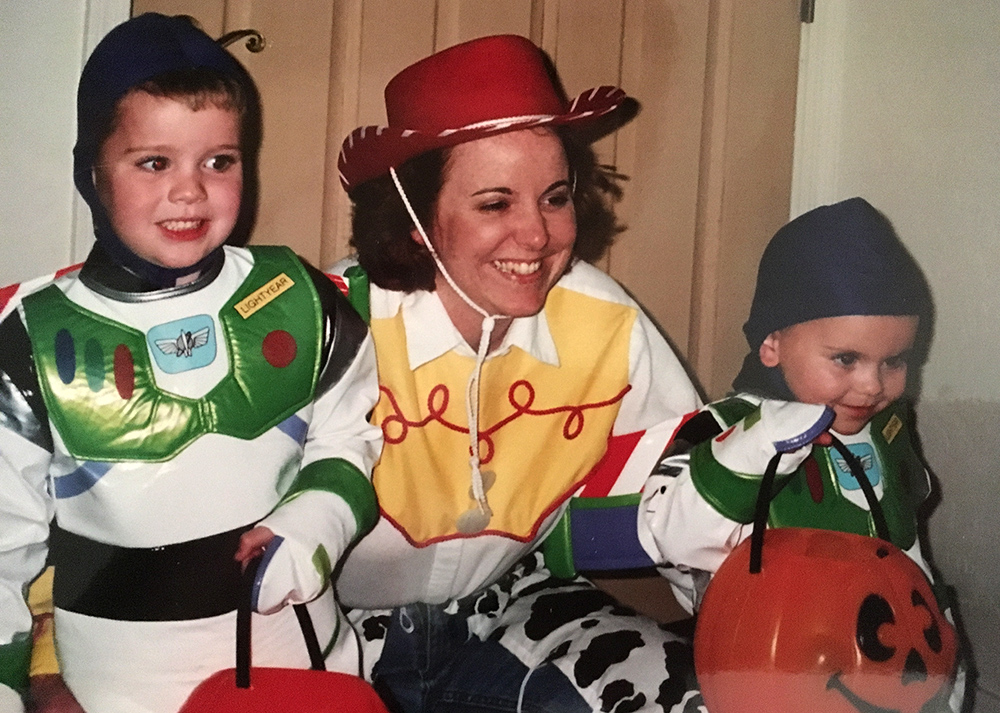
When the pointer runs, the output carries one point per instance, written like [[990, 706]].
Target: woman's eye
[[221, 162], [558, 200], [154, 163], [494, 206]]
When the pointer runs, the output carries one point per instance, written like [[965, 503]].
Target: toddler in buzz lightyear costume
[[840, 312], [177, 406]]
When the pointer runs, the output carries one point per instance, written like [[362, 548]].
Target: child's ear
[[415, 236], [769, 352]]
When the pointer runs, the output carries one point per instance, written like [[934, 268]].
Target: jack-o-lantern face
[[833, 622]]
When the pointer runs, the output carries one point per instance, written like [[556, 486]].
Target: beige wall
[[899, 102]]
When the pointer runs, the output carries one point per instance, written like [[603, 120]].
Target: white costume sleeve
[[681, 532], [684, 535], [25, 510], [314, 527], [339, 426], [679, 527]]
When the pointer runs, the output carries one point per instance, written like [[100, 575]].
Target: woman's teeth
[[518, 268]]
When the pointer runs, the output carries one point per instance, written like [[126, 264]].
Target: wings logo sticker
[[866, 455], [184, 344]]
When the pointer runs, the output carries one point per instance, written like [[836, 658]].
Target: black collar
[[108, 278]]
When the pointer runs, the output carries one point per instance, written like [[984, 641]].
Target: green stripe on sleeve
[[558, 549], [732, 494], [340, 477]]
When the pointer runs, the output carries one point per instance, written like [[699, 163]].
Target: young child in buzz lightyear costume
[[176, 403], [840, 311], [839, 267]]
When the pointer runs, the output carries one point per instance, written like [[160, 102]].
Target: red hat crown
[[483, 80], [468, 91]]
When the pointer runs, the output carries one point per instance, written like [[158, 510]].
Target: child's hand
[[49, 694], [311, 532], [786, 427], [253, 544]]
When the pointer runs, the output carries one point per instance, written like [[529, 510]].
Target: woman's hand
[[253, 544], [49, 694]]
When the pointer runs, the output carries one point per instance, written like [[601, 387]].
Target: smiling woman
[[475, 211]]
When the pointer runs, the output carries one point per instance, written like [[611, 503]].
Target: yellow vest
[[542, 427]]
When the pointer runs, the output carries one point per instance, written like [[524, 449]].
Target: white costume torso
[[209, 482]]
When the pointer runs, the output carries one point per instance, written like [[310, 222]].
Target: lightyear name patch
[[892, 429], [265, 294], [184, 344]]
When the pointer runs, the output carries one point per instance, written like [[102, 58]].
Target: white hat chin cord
[[476, 519]]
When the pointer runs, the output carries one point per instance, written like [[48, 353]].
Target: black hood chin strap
[[114, 248], [765, 381], [110, 277]]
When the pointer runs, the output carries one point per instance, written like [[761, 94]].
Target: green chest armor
[[811, 496], [97, 378]]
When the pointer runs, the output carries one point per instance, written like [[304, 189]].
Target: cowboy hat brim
[[370, 151]]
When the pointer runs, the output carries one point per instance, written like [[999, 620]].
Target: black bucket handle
[[243, 657], [764, 501]]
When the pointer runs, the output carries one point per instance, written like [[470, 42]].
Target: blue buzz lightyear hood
[[132, 53], [833, 261]]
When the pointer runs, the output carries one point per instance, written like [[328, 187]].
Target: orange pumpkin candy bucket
[[799, 619]]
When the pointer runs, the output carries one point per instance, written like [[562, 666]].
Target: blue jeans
[[529, 642], [431, 663]]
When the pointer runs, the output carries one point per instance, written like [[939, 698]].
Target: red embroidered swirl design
[[521, 396]]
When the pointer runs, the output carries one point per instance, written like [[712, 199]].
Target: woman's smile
[[518, 268]]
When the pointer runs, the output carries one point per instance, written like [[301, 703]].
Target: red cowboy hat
[[479, 88]]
